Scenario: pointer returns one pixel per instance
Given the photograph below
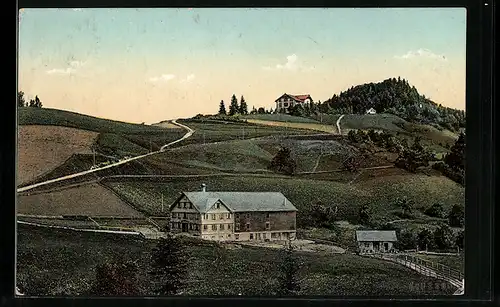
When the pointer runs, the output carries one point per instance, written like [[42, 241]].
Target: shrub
[[456, 216], [443, 237], [436, 210]]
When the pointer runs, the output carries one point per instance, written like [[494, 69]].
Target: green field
[[379, 192], [57, 262], [278, 117]]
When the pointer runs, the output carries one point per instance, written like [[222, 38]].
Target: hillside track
[[162, 149]]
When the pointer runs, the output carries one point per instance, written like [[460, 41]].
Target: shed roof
[[241, 201], [376, 235]]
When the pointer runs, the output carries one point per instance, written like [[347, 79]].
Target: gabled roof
[[298, 98], [376, 235], [241, 201]]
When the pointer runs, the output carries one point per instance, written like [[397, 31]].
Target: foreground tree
[[288, 272], [283, 162], [233, 107], [169, 266], [222, 108], [406, 205], [115, 279]]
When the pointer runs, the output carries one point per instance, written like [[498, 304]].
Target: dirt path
[[338, 124], [187, 135]]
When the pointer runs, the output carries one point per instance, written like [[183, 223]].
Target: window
[[228, 226], [221, 216], [206, 216], [248, 226], [214, 227], [190, 206], [184, 215], [237, 216], [251, 236], [237, 227], [229, 236], [267, 226], [248, 215], [267, 215], [205, 227], [184, 205], [221, 227], [264, 236], [273, 235], [217, 206], [286, 104], [237, 236], [229, 215], [213, 216], [191, 226]]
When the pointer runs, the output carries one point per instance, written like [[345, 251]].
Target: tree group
[[234, 107], [21, 101]]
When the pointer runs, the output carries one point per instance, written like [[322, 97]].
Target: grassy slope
[[381, 193], [117, 139], [63, 262], [280, 118]]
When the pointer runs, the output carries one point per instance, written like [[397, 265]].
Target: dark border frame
[[480, 164]]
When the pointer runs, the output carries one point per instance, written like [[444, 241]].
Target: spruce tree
[[456, 158], [169, 266], [222, 108], [288, 272], [243, 106], [233, 107]]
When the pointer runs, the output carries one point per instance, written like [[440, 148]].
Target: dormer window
[[217, 205]]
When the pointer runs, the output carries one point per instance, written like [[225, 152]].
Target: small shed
[[371, 111], [376, 241]]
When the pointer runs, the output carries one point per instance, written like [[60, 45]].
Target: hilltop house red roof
[[298, 98]]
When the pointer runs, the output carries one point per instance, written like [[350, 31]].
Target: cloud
[[421, 53], [72, 68], [188, 78], [77, 64], [162, 78], [61, 71], [292, 64]]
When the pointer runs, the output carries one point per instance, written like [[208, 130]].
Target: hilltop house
[[285, 101], [371, 111], [234, 216], [375, 241]]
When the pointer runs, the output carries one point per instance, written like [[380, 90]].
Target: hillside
[[398, 97], [54, 143], [43, 148], [55, 262]]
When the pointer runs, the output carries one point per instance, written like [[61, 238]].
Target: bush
[[436, 210], [283, 162], [443, 237], [425, 239], [406, 240], [459, 240], [456, 216]]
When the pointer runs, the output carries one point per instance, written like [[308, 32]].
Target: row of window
[[247, 226], [215, 216], [220, 227], [184, 215], [190, 226], [256, 236]]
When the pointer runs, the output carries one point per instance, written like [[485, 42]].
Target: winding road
[[338, 124], [187, 135]]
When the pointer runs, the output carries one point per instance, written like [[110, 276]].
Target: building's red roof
[[299, 98]]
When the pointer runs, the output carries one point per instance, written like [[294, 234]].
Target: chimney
[[203, 187]]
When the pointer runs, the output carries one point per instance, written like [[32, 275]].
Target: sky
[[148, 65]]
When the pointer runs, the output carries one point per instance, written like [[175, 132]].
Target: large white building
[[234, 216]]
